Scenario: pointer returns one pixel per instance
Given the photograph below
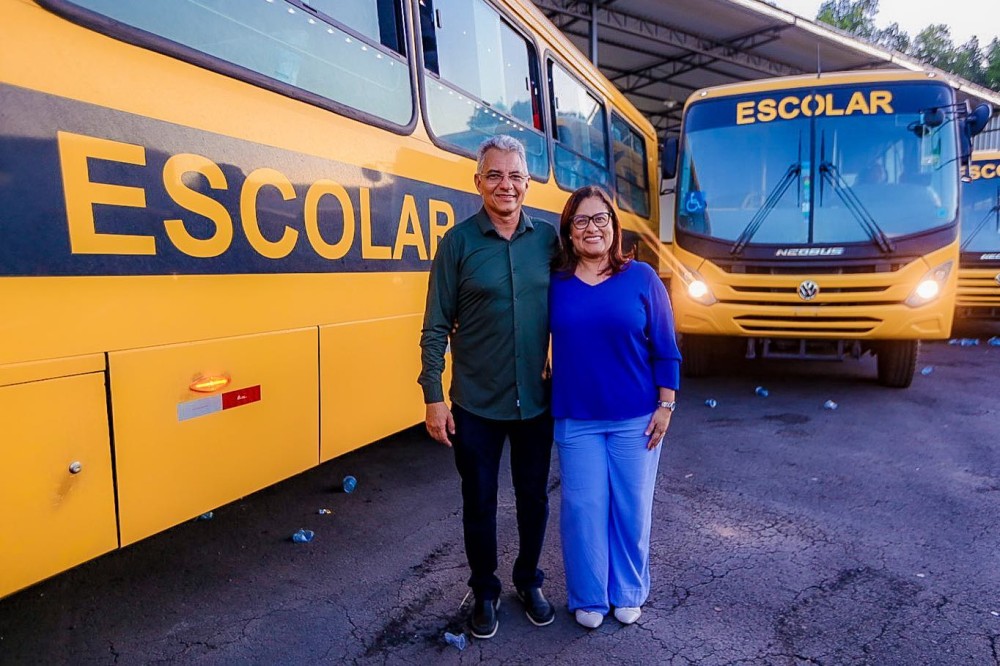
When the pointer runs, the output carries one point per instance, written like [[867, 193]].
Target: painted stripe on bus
[[87, 190]]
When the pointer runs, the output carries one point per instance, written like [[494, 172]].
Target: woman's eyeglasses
[[600, 220]]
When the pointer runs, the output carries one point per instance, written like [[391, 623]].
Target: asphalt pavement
[[785, 532]]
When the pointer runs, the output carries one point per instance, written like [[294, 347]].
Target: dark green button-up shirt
[[490, 296]]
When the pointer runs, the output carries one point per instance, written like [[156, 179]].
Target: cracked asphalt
[[784, 533]]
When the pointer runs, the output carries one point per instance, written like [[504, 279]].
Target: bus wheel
[[897, 361], [696, 355]]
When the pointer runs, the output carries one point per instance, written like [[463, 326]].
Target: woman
[[615, 367]]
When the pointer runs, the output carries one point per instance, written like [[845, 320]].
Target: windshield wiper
[[773, 197], [831, 173], [992, 211]]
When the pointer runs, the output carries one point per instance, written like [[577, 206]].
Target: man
[[488, 293]]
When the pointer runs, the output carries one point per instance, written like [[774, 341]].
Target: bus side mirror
[[977, 120], [668, 157], [973, 123]]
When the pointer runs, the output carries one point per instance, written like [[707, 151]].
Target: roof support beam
[[638, 79], [593, 32], [693, 62], [742, 43], [614, 74], [575, 18], [639, 27]]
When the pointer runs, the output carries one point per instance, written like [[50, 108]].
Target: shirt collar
[[486, 225]]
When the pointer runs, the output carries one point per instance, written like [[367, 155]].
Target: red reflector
[[240, 397]]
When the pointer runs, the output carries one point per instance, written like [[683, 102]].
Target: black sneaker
[[536, 606], [483, 623]]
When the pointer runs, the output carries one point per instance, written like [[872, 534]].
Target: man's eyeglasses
[[496, 177], [600, 220]]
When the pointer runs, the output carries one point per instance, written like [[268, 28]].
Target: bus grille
[[812, 268], [836, 311], [821, 326], [850, 300], [792, 290], [978, 292]]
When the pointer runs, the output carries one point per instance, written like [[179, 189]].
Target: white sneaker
[[627, 615], [589, 619]]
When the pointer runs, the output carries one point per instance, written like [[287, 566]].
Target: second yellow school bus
[[979, 263], [817, 217], [216, 218]]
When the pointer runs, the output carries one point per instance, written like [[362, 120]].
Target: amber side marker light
[[210, 383]]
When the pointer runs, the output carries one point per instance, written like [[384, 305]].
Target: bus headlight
[[928, 289], [697, 290], [930, 286]]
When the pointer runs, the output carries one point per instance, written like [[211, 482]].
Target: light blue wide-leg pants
[[608, 476]]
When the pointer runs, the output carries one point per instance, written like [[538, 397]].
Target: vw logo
[[808, 290]]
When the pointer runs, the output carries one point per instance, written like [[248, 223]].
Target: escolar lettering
[[344, 224], [823, 104], [988, 170]]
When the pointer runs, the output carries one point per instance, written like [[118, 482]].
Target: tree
[[854, 16], [933, 45], [858, 18], [991, 71], [968, 62], [894, 38]]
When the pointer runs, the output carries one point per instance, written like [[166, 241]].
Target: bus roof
[[809, 80]]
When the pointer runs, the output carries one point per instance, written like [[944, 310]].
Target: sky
[[965, 18]]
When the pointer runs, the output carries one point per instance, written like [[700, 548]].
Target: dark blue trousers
[[478, 445]]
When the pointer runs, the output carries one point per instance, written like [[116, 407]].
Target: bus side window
[[347, 51], [631, 184], [581, 153], [481, 79], [379, 20], [428, 36]]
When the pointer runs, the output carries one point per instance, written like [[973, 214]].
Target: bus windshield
[[981, 210], [835, 164]]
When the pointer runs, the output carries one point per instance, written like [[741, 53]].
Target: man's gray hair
[[503, 142]]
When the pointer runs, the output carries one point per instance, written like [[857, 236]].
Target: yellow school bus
[[817, 217], [979, 262], [216, 221]]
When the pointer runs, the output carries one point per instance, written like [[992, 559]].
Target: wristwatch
[[667, 404]]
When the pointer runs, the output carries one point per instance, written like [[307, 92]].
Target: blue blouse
[[613, 345]]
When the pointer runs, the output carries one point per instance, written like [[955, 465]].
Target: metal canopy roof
[[660, 51]]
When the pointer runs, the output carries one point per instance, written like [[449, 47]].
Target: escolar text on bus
[[792, 106], [985, 171], [353, 228]]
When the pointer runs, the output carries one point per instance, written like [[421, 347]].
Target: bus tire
[[696, 355], [897, 361]]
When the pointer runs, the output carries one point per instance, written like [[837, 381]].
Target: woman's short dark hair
[[567, 260]]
